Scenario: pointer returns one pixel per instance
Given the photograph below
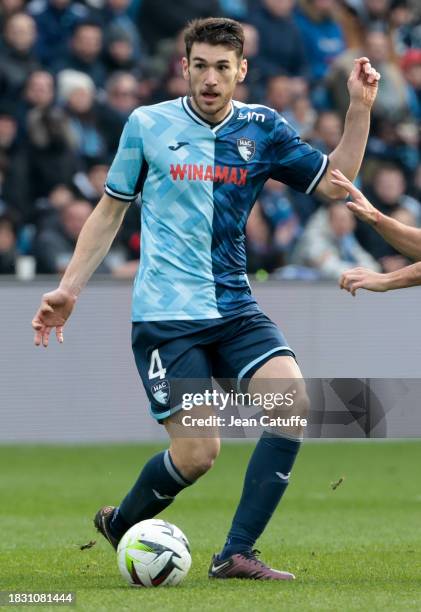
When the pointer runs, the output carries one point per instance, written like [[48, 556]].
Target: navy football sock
[[155, 489], [265, 482]]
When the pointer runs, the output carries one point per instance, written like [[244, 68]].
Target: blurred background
[[71, 73]]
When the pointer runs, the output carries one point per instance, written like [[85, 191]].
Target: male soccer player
[[199, 163], [405, 239]]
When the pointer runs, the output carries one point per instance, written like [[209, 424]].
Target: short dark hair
[[215, 31]]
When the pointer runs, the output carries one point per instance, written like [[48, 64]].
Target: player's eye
[[199, 66]]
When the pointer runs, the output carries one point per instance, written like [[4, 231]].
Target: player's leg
[[168, 472], [271, 463], [258, 351]]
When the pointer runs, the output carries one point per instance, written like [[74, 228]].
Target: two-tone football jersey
[[198, 182]]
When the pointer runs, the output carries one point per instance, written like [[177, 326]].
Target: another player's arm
[[405, 239], [348, 155], [93, 244], [361, 278]]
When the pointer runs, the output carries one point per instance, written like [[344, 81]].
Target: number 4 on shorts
[[155, 368]]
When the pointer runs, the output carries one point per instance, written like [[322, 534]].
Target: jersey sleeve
[[295, 162], [125, 176]]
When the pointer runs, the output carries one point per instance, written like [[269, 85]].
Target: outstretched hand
[[361, 278], [361, 207], [55, 309], [363, 82]]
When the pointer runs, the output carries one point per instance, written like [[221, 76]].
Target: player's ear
[[185, 67], [242, 70]]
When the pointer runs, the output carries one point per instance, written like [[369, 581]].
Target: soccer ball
[[154, 553]]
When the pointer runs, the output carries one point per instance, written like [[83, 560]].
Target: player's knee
[[204, 454], [195, 456], [302, 404]]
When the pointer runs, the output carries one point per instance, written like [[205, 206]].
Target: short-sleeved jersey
[[198, 183]]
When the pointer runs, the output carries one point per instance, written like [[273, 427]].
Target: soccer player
[[199, 163], [405, 239]]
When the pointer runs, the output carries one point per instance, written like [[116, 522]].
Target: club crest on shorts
[[246, 148], [161, 392]]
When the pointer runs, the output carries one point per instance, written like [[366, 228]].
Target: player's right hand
[[361, 207], [56, 307]]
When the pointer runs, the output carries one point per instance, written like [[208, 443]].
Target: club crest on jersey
[[246, 148], [161, 392]]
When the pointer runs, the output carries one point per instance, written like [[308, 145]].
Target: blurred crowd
[[72, 72]]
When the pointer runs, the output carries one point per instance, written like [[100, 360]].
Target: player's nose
[[211, 77]]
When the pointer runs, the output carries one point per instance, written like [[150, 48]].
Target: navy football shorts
[[227, 348]]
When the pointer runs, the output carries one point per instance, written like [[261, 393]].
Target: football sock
[[155, 489], [265, 482]]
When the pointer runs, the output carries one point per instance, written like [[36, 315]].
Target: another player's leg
[[265, 482], [164, 476]]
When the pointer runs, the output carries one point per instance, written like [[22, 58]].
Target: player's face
[[213, 72]]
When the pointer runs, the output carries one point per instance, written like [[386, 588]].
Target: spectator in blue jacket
[[323, 37], [55, 21], [281, 43]]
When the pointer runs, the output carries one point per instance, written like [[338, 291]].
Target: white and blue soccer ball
[[154, 553]]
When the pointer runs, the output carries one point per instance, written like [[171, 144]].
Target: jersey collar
[[198, 119]]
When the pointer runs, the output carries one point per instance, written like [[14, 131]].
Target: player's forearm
[[405, 277], [93, 244], [405, 239], [349, 153]]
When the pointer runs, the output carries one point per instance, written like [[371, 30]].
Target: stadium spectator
[[55, 243], [13, 167], [76, 91], [89, 184], [114, 18], [38, 92], [394, 142], [55, 21], [301, 115], [388, 195], [401, 17], [160, 19], [323, 37], [8, 251], [17, 60], [279, 93], [84, 54], [51, 151], [272, 229], [112, 111], [392, 99], [327, 132], [411, 66], [122, 93], [8, 8], [119, 52], [329, 245], [281, 45]]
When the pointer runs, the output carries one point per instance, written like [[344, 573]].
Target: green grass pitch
[[354, 548]]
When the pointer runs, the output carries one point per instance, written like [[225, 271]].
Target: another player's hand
[[361, 207], [363, 82], [54, 311], [361, 278]]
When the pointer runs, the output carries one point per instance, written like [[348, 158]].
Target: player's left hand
[[361, 278], [363, 82]]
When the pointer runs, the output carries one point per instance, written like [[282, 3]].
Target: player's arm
[[348, 155], [93, 244], [405, 239], [361, 278]]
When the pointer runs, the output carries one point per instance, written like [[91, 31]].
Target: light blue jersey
[[198, 183]]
